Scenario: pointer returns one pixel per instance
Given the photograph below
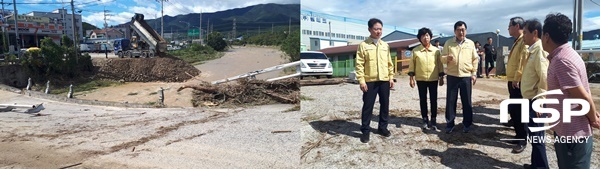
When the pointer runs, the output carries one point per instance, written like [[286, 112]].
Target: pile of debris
[[593, 71], [165, 69], [246, 92]]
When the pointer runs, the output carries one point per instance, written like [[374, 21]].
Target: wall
[[13, 75]]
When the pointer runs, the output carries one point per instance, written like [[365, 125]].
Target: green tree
[[54, 60], [53, 56], [291, 46], [215, 40], [66, 41]]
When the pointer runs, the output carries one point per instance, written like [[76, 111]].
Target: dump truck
[[144, 42]]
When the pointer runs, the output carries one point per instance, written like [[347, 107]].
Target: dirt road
[[331, 122], [108, 137], [236, 61], [241, 60]]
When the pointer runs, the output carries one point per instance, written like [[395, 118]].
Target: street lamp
[[497, 38]]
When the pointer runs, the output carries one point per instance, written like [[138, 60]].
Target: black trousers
[[489, 65], [539, 159], [381, 88], [515, 113], [465, 85], [432, 87], [479, 70]]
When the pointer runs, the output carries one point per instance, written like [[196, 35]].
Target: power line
[[595, 2]]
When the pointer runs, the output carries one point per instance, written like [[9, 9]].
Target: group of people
[[540, 60]]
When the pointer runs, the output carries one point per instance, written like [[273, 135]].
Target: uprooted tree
[[246, 92]]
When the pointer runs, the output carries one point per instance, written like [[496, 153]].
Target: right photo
[[440, 84]]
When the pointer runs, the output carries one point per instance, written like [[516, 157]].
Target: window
[[316, 43], [330, 43]]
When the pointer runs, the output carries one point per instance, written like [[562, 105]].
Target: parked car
[[316, 64]]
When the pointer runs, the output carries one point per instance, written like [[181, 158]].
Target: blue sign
[[407, 53]]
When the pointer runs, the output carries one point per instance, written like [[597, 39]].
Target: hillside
[[251, 18]]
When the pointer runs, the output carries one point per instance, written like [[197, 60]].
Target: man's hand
[[515, 84], [474, 80], [596, 124], [450, 58], [441, 81], [363, 87], [412, 83], [391, 83]]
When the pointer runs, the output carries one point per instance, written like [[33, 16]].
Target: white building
[[63, 17], [317, 27]]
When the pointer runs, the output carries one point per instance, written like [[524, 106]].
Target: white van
[[85, 47], [314, 63]]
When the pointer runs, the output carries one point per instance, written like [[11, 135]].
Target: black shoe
[[449, 130], [425, 126], [509, 124], [466, 129], [385, 132], [526, 166], [518, 149], [364, 138]]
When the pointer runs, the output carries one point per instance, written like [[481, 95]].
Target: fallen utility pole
[[29, 108], [254, 73]]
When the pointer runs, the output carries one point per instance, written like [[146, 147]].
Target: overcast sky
[[123, 10], [440, 15]]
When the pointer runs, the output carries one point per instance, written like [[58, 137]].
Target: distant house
[[343, 57], [108, 33]]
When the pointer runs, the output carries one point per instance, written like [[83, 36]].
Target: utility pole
[[579, 25], [574, 41], [63, 15], [290, 26], [233, 32], [155, 22], [5, 45], [162, 15], [330, 43], [75, 40], [200, 29], [16, 26], [272, 27], [207, 26], [105, 31]]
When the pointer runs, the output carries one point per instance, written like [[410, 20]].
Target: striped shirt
[[566, 71]]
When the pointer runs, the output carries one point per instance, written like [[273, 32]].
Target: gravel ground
[[107, 137], [331, 122]]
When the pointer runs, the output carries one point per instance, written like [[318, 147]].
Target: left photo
[[149, 84]]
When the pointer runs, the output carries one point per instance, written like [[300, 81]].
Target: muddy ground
[[331, 122], [109, 137], [236, 61]]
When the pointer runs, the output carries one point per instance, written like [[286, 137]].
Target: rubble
[[246, 92], [165, 69]]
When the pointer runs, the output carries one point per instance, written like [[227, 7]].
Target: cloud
[[440, 15]]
